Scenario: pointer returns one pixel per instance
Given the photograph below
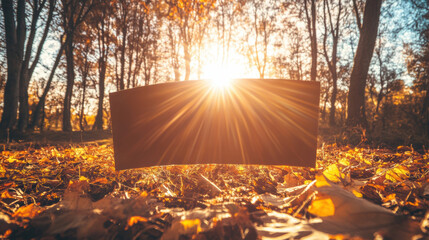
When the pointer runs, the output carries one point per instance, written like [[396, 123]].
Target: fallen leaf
[[28, 211], [397, 174], [322, 206], [359, 217], [333, 173]]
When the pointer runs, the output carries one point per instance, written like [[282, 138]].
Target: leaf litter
[[73, 191]]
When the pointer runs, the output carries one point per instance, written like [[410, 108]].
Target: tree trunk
[[313, 42], [311, 28], [98, 125], [425, 108], [37, 114], [82, 106], [333, 101], [124, 42], [27, 69], [324, 104], [67, 127], [23, 99], [364, 52], [187, 61], [15, 38], [333, 30]]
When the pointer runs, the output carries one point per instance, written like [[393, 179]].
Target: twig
[[180, 198], [211, 183], [304, 204]]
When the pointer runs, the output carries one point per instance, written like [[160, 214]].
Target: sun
[[220, 82], [220, 77]]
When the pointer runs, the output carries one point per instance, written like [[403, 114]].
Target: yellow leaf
[[397, 174], [322, 206], [191, 224], [367, 161], [379, 170], [344, 161], [144, 194], [306, 182], [333, 173], [357, 193], [321, 181], [82, 178], [12, 160]]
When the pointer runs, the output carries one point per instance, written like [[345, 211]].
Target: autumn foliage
[[74, 192]]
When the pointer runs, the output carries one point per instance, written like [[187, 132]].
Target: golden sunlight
[[219, 77]]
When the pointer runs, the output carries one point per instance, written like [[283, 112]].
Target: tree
[[84, 66], [123, 10], [186, 16], [73, 14], [225, 20], [15, 39], [28, 68], [418, 65], [332, 29], [102, 24], [312, 33], [174, 51], [38, 113], [25, 59], [368, 35], [262, 16]]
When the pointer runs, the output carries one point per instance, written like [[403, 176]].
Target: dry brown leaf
[[357, 216], [86, 224]]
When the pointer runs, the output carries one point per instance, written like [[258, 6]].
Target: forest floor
[[71, 190]]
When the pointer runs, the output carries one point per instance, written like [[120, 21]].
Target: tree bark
[[15, 38], [313, 75], [364, 52], [67, 127], [98, 124], [82, 106], [124, 32], [311, 28]]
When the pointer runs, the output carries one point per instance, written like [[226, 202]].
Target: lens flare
[[219, 77], [220, 83]]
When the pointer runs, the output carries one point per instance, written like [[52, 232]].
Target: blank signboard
[[249, 121]]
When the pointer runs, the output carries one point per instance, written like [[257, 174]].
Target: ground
[[71, 190]]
